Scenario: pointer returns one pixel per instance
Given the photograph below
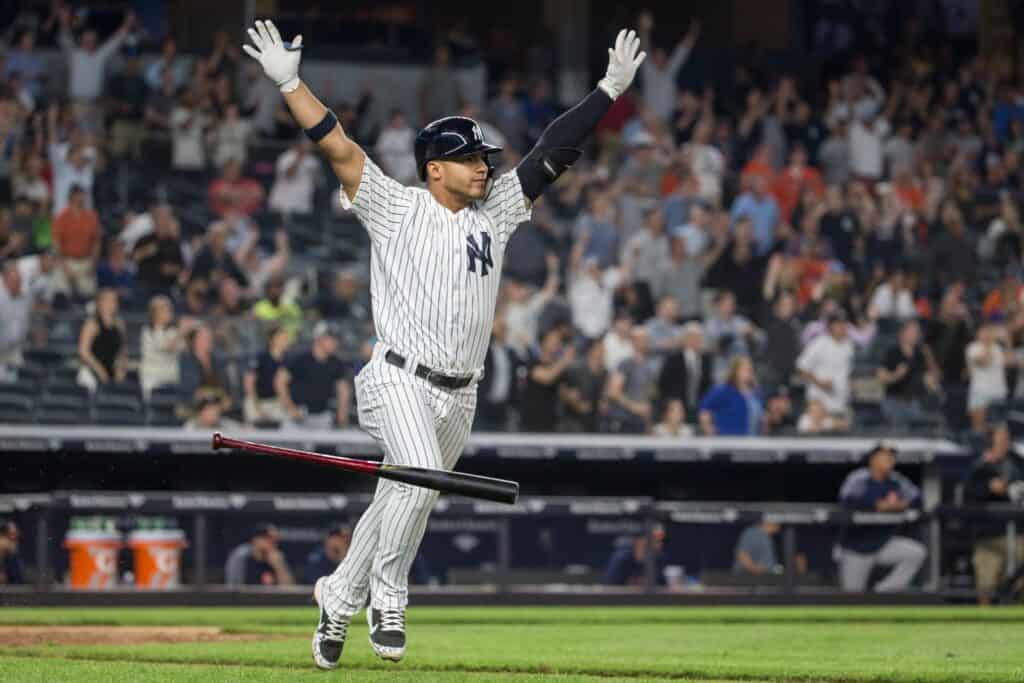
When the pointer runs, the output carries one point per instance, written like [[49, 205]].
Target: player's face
[[465, 176]]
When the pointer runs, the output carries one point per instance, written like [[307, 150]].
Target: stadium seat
[[115, 416], [105, 401], [62, 374], [165, 396], [162, 417], [15, 415], [15, 401], [61, 416]]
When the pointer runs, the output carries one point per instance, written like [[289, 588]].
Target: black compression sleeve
[[568, 131]]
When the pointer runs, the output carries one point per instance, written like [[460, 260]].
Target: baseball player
[[436, 259]]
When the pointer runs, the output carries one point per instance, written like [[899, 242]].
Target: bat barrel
[[460, 483]]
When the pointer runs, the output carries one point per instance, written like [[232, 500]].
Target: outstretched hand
[[623, 61], [280, 62]]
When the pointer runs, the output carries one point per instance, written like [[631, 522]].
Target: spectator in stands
[[679, 276], [233, 194], [659, 73], [126, 103], [324, 559], [189, 122], [583, 393], [893, 299], [762, 210], [778, 412], [631, 389], [524, 306], [258, 562], [825, 365], [867, 135], [909, 374], [781, 341], [88, 59], [988, 356], [101, 344], [22, 59], [794, 181], [618, 342], [261, 401], [997, 476], [168, 67], [439, 90], [161, 103], [646, 250], [208, 413], [11, 242], [877, 487], [591, 295], [686, 374], [200, 368], [730, 334], [839, 225], [76, 235], [15, 312], [29, 181], [547, 369], [673, 420], [953, 257], [214, 262], [498, 390], [507, 112], [697, 230], [1007, 300], [395, 149], [297, 171], [231, 137], [345, 301], [817, 420], [596, 234], [158, 255], [733, 264], [274, 309], [117, 273], [755, 549], [948, 335], [71, 163], [628, 564], [307, 383], [11, 571], [161, 343], [834, 153], [733, 408]]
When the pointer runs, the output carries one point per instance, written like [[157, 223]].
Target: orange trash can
[[92, 558], [157, 555]]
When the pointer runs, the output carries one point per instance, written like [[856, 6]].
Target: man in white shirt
[[295, 179], [660, 71], [825, 365], [591, 294], [867, 134], [88, 59], [188, 126]]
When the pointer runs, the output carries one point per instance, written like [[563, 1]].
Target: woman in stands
[[734, 408], [101, 344], [162, 342], [200, 369]]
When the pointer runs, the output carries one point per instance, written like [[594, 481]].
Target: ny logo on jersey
[[480, 251]]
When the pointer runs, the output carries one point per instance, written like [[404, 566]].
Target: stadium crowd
[[788, 254]]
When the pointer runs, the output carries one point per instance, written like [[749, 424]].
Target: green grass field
[[954, 645]]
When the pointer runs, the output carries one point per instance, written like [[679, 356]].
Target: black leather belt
[[436, 378]]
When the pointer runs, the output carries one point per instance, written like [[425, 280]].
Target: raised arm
[[558, 146], [280, 63]]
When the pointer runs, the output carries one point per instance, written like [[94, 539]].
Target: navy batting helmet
[[450, 138]]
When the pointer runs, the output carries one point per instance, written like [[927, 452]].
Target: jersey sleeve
[[380, 202], [507, 205]]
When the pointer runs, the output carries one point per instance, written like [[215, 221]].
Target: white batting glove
[[279, 61], [623, 61]]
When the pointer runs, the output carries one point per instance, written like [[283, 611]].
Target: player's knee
[[420, 499]]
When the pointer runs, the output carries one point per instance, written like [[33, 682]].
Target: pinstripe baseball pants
[[415, 423]]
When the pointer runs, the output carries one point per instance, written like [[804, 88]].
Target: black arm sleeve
[[557, 148]]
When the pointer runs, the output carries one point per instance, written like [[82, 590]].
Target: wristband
[[320, 130]]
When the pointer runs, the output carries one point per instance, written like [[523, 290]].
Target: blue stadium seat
[[15, 415], [61, 416], [15, 401], [115, 416], [162, 416], [165, 396]]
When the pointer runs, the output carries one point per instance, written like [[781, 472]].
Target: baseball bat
[[472, 485]]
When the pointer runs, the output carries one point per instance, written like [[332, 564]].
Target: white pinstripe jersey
[[434, 274]]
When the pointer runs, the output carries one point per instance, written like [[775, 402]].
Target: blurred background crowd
[[825, 248]]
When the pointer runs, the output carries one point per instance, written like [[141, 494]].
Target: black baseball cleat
[[387, 632], [329, 637]]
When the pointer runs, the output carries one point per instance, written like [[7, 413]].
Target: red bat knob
[[218, 440]]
